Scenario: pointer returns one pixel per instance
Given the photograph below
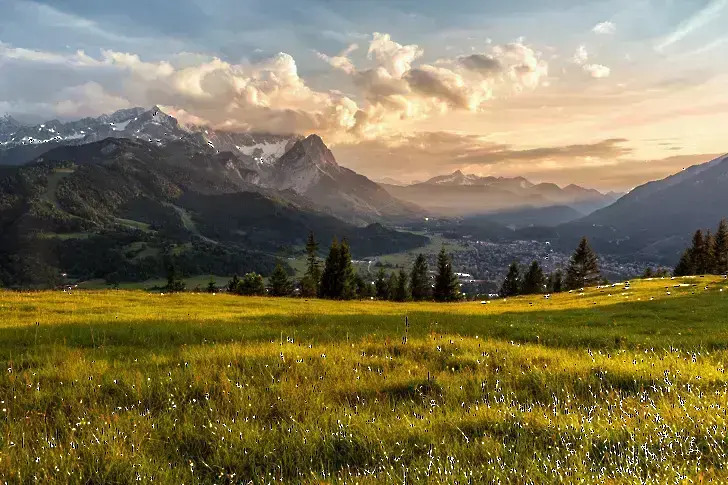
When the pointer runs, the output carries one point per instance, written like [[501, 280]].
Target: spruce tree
[[534, 280], [392, 284], [419, 280], [686, 266], [402, 292], [174, 280], [312, 277], [557, 282], [211, 285], [583, 268], [346, 278], [233, 285], [446, 284], [720, 249], [329, 287], [279, 281], [252, 285], [512, 283], [381, 285], [707, 259]]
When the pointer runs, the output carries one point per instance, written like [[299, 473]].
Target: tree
[[364, 289], [446, 284], [252, 285], [720, 248], [312, 277], [233, 285], [392, 284], [512, 283], [279, 281], [381, 285], [346, 278], [174, 280], [685, 266], [329, 287], [648, 273], [419, 280], [402, 292], [583, 268], [534, 280], [211, 285], [556, 282], [706, 263]]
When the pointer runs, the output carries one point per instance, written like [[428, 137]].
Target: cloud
[[581, 55], [699, 19], [269, 94], [605, 28], [422, 154], [597, 70]]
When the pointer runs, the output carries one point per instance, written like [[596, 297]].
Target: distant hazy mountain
[[550, 216], [290, 163], [459, 194]]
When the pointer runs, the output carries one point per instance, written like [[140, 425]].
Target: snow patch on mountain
[[265, 152]]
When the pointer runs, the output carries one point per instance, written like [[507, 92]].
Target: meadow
[[608, 385]]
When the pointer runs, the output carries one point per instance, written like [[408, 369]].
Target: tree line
[[707, 254], [583, 271]]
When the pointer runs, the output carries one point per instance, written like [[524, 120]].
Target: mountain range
[[460, 194]]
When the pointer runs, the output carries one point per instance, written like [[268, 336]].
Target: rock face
[[290, 164]]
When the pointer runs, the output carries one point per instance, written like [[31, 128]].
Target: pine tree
[[648, 273], [686, 265], [512, 283], [534, 280], [174, 280], [279, 281], [252, 285], [419, 280], [329, 278], [211, 285], [557, 282], [381, 285], [720, 249], [402, 292], [707, 259], [346, 277], [233, 285], [312, 277], [583, 268], [392, 284], [446, 284]]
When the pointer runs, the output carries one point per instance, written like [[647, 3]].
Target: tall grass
[[605, 387]]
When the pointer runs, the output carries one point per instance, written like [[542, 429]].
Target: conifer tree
[[706, 263], [419, 280], [279, 281], [233, 285], [557, 282], [512, 283], [346, 278], [252, 285], [312, 277], [174, 280], [583, 268], [211, 285], [446, 284], [392, 284], [381, 285], [533, 280], [402, 292], [329, 287], [720, 249], [686, 266]]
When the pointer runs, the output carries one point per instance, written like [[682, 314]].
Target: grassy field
[[608, 386]]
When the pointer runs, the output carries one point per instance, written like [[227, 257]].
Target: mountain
[[658, 218], [302, 166], [460, 194], [531, 216], [121, 209]]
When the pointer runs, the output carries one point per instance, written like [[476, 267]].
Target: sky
[[603, 93]]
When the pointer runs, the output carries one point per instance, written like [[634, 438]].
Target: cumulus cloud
[[604, 28], [597, 70], [269, 94], [581, 55]]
